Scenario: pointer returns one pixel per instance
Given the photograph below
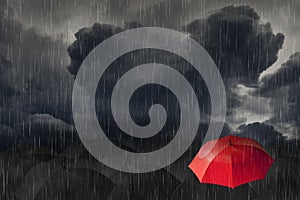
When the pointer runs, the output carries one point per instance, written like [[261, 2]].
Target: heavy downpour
[[149, 99]]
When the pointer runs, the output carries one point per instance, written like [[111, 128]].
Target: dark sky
[[56, 18], [67, 16], [44, 42]]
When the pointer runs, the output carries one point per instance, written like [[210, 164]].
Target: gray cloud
[[282, 87], [246, 48], [86, 40], [241, 45], [67, 16], [247, 106], [287, 74], [265, 134], [33, 74], [285, 102], [50, 92], [45, 131]]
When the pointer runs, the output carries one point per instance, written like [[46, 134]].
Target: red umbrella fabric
[[233, 161]]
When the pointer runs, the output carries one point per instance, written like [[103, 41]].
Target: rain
[[45, 44]]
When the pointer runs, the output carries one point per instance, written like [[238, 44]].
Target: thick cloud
[[246, 106], [89, 37], [33, 75], [285, 104], [33, 80], [265, 134], [240, 44], [243, 47], [283, 89], [43, 130], [86, 40], [39, 131], [287, 74]]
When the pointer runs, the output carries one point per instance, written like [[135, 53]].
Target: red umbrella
[[233, 161]]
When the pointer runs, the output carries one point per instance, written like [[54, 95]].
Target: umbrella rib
[[211, 161], [235, 166], [255, 146]]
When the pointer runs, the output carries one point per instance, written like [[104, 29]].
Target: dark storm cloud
[[265, 134], [43, 130], [33, 79], [287, 74], [38, 131], [89, 37], [240, 44], [33, 75], [86, 40], [285, 102], [283, 89]]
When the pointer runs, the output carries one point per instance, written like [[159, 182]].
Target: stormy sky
[[39, 54], [67, 16], [254, 44]]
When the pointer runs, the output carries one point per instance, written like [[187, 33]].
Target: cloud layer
[[283, 88], [240, 44], [33, 74]]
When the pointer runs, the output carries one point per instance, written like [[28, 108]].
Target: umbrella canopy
[[233, 161]]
